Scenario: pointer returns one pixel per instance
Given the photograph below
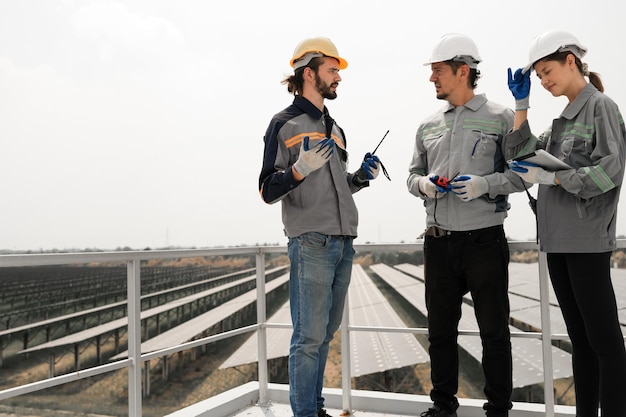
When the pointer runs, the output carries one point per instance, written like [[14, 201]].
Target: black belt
[[439, 232]]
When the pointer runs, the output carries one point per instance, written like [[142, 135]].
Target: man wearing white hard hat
[[459, 171]]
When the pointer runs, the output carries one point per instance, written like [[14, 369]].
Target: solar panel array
[[378, 351], [527, 353], [371, 352]]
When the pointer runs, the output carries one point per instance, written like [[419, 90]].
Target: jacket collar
[[474, 104], [309, 108], [579, 102]]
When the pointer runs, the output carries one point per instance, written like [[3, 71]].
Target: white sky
[[140, 123]]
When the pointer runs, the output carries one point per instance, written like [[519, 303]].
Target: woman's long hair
[[594, 77]]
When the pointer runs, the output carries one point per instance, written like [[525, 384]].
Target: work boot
[[436, 411]]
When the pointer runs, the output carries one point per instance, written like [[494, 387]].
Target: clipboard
[[544, 159]]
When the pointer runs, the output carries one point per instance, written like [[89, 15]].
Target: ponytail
[[594, 78]]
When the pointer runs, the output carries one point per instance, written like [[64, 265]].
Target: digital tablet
[[544, 160]]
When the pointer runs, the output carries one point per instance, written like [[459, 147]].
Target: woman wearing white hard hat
[[577, 211]]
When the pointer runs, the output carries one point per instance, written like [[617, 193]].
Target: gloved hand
[[442, 184], [469, 187], [312, 159], [519, 84], [533, 173], [428, 186], [370, 167]]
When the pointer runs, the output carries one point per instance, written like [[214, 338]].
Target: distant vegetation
[[389, 258], [365, 259], [618, 259]]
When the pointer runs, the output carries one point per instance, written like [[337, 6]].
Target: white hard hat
[[553, 41], [455, 47]]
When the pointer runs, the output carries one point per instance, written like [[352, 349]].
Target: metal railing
[[134, 360]]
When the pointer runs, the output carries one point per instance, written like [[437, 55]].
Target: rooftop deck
[[243, 401]]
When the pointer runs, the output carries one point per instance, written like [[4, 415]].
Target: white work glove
[[533, 173], [428, 187], [312, 159], [469, 187]]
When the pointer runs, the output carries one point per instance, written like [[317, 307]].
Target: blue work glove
[[312, 159], [469, 187], [428, 185], [532, 173], [519, 84], [370, 167], [442, 184]]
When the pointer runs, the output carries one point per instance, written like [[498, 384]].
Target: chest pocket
[[576, 150], [572, 142], [434, 143], [483, 144]]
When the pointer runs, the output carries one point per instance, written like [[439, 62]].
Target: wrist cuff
[[522, 104]]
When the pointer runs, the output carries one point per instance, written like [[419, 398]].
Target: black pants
[[582, 284], [477, 262]]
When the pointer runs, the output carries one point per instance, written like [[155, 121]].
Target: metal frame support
[[261, 319], [546, 331], [134, 337], [346, 371]]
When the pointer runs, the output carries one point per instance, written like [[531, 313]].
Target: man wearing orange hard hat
[[305, 168]]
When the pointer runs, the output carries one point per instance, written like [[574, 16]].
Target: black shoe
[[322, 413], [437, 411]]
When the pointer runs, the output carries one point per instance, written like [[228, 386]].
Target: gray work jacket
[[465, 140], [580, 214], [323, 201]]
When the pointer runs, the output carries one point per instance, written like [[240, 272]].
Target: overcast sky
[[141, 123]]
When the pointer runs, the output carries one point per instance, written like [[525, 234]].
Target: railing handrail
[[40, 259], [135, 358]]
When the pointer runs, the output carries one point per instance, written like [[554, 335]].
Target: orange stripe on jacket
[[296, 140]]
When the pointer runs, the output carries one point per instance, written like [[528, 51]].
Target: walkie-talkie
[[381, 164]]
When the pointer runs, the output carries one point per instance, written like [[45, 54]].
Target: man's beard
[[324, 89], [442, 96]]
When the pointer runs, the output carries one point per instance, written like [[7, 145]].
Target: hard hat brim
[[300, 62]]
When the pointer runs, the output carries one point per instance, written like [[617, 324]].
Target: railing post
[[346, 371], [261, 317], [134, 337], [546, 335]]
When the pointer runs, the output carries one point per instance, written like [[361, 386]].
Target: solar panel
[[527, 353], [371, 352]]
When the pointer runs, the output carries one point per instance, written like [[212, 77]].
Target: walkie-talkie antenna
[[381, 141]]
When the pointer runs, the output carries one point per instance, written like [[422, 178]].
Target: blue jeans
[[321, 266]]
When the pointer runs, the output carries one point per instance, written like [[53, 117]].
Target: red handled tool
[[444, 182]]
